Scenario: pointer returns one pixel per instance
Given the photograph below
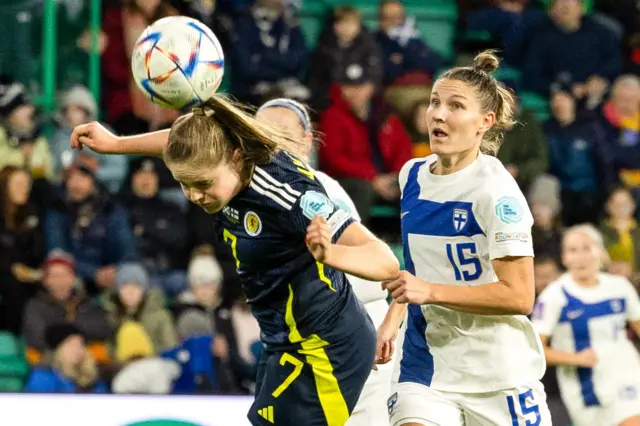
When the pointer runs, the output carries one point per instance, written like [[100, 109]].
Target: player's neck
[[586, 281], [448, 164]]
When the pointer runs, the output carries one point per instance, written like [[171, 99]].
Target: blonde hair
[[85, 374], [214, 131], [595, 236], [493, 95]]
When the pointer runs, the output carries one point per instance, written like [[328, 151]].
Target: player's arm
[[356, 251], [101, 140], [633, 306], [585, 358]]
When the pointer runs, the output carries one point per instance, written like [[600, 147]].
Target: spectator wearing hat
[[86, 222], [63, 301], [70, 367], [344, 43], [21, 246], [365, 145], [21, 141], [79, 107], [403, 50], [159, 226], [133, 300], [576, 158], [568, 42]]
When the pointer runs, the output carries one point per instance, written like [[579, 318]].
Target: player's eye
[[435, 102], [457, 105]]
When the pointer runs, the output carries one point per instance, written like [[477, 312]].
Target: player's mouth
[[438, 133], [210, 207]]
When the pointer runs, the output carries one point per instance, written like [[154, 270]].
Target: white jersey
[[453, 226], [577, 318]]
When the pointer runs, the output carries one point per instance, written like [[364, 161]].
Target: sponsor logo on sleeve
[[509, 210], [314, 204], [506, 237]]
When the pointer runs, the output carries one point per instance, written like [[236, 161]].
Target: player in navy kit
[[290, 243]]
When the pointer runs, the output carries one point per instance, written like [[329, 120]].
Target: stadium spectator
[[127, 108], [573, 45], [78, 106], [70, 367], [403, 50], [544, 200], [524, 149], [160, 227], [621, 233], [575, 153], [269, 51], [21, 247], [343, 44], [511, 22], [418, 129], [63, 301], [620, 120], [133, 301], [85, 221], [546, 270], [365, 145], [22, 143]]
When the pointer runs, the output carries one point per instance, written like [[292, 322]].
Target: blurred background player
[[270, 209], [294, 117], [582, 320], [470, 356]]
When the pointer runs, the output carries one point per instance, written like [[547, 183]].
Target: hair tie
[[205, 110]]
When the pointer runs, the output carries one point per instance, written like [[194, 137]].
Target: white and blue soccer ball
[[177, 62]]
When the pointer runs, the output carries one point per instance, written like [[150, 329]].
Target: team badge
[[391, 402], [315, 204], [252, 223], [509, 210], [616, 306], [460, 219]]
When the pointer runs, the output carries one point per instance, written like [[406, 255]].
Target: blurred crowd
[[116, 284]]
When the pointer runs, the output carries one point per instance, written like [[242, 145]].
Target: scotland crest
[[460, 219]]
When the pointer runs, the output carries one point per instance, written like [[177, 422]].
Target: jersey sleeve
[[313, 201], [506, 220], [547, 310], [633, 301], [338, 195]]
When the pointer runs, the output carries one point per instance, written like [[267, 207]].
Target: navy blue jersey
[[292, 296]]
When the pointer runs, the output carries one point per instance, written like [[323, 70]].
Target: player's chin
[[211, 208]]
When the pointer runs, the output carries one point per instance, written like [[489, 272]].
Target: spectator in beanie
[[79, 107], [575, 158], [403, 51], [21, 247], [86, 222], [342, 43], [572, 44], [133, 300], [621, 233], [544, 199], [159, 226], [70, 369], [365, 145], [63, 301], [21, 141]]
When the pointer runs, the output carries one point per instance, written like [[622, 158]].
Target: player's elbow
[[523, 304], [392, 268]]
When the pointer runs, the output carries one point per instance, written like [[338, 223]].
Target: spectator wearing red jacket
[[365, 146]]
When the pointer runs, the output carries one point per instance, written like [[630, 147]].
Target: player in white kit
[[584, 316], [470, 356], [371, 407]]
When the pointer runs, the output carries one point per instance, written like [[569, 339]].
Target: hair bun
[[486, 61]]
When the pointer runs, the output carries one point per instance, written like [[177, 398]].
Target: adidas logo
[[267, 413]]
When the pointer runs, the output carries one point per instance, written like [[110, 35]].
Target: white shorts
[[624, 405], [416, 403], [371, 409]]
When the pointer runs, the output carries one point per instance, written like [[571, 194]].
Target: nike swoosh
[[403, 214]]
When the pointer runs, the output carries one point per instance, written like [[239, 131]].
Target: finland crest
[[252, 223], [460, 219]]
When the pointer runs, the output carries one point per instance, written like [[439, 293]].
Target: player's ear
[[488, 120]]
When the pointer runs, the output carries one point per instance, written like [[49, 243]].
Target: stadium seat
[[11, 384], [8, 345], [15, 367], [535, 103], [384, 211]]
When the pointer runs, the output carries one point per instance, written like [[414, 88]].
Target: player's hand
[[318, 239], [386, 343], [406, 288], [586, 358], [95, 136]]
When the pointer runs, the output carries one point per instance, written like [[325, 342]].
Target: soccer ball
[[177, 62]]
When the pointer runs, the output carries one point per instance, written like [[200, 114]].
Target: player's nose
[[196, 196]]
